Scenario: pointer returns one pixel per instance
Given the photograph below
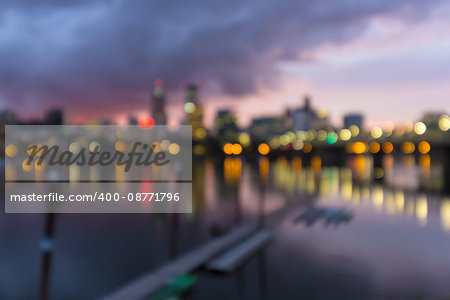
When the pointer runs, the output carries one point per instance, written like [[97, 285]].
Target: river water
[[396, 246]]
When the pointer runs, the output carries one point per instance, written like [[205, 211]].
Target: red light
[[159, 83], [146, 123]]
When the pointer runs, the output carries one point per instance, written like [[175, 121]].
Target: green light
[[189, 107], [331, 138]]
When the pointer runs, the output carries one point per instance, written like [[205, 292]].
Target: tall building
[[263, 128], [305, 117], [353, 119], [158, 103], [194, 112], [226, 125]]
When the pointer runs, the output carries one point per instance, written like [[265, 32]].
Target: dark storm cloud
[[90, 53]]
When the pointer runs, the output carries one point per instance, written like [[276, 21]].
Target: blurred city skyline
[[384, 60]]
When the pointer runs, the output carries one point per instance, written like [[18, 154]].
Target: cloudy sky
[[387, 59]]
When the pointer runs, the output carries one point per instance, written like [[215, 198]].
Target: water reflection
[[355, 184], [236, 190], [445, 214]]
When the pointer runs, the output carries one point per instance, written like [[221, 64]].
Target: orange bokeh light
[[263, 149]]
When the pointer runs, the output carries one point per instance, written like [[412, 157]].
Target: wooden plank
[[235, 257], [155, 280]]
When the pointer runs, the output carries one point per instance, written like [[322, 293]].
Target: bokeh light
[[244, 139], [189, 107], [345, 134], [354, 130], [174, 148], [307, 147], [359, 147], [444, 123], [388, 147], [146, 123], [420, 128], [237, 149], [263, 149], [376, 132], [228, 148], [332, 138], [11, 150], [374, 147], [408, 147], [424, 147]]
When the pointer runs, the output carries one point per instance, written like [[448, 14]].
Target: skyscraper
[[158, 103], [353, 119], [304, 118], [194, 112], [226, 125]]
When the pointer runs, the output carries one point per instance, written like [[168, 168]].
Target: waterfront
[[395, 247]]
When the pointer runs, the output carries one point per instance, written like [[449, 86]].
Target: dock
[[151, 283], [231, 260]]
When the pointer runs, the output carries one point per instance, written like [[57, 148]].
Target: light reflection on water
[[355, 185], [392, 224]]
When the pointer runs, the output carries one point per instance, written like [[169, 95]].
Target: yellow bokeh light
[[263, 149], [444, 123], [291, 136], [321, 135], [284, 140], [11, 150], [297, 145], [274, 143], [376, 132], [301, 135], [244, 139], [120, 146], [424, 147], [345, 134], [189, 107], [156, 147], [322, 113], [174, 148], [26, 167], [200, 133], [354, 130], [94, 146], [311, 134], [420, 128], [74, 148]]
